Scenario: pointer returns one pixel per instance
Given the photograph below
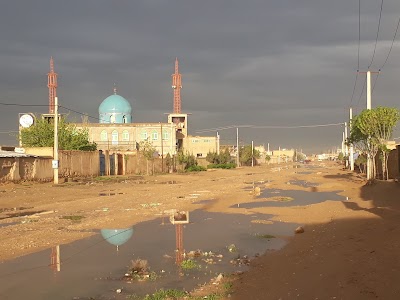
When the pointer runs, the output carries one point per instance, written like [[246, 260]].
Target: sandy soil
[[349, 249]]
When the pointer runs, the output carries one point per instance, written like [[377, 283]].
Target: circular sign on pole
[[26, 120]]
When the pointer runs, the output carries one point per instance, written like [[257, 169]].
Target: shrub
[[222, 166], [195, 169]]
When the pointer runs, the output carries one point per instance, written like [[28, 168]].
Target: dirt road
[[349, 249]]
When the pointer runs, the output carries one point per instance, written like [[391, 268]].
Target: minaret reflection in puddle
[[55, 259], [179, 219]]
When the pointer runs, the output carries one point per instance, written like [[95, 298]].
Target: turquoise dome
[[117, 237], [115, 109]]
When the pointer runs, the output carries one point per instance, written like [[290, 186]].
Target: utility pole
[[237, 146], [252, 153], [346, 148], [162, 150], [351, 157], [218, 139], [369, 106], [55, 148], [279, 155]]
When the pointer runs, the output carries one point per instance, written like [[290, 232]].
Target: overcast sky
[[265, 63]]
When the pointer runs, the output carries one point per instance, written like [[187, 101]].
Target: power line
[[358, 52], [387, 57], [391, 46], [46, 105], [377, 35], [22, 105], [267, 127], [362, 92]]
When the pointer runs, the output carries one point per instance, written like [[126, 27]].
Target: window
[[114, 137], [112, 118], [143, 135], [125, 135], [165, 136], [124, 120], [154, 136], [103, 136]]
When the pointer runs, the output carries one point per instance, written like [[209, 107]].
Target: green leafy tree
[[41, 134], [370, 131], [149, 152], [247, 155], [267, 158], [222, 158], [187, 160], [361, 163], [340, 156], [168, 161]]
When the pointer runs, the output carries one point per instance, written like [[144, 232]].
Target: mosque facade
[[116, 132]]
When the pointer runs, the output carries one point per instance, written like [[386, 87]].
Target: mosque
[[117, 134]]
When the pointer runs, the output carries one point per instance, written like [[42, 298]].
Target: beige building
[[199, 146], [127, 136]]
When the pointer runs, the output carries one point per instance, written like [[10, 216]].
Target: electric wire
[[358, 52], [377, 35], [391, 46], [267, 127], [387, 57]]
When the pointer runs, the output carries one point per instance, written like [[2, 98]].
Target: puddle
[[303, 183], [304, 172], [110, 194], [203, 202], [94, 268], [21, 214], [13, 209], [286, 198], [9, 224]]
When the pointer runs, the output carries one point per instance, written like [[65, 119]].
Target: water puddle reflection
[[141, 259], [286, 198]]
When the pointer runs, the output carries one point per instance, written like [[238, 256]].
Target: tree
[[188, 160], [168, 162], [370, 131], [222, 158], [267, 158], [247, 154], [361, 163], [149, 152], [41, 134]]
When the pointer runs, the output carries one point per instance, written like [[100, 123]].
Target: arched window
[[124, 119], [143, 135], [125, 135], [165, 135], [112, 118], [154, 136], [103, 136], [114, 137]]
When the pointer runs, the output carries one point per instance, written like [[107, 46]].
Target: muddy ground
[[349, 249]]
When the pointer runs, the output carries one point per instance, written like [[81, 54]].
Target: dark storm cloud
[[243, 62]]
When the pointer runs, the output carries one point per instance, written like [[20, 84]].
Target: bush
[[195, 169], [222, 158], [222, 166]]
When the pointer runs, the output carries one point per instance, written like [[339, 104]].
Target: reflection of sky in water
[[93, 267], [299, 198]]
